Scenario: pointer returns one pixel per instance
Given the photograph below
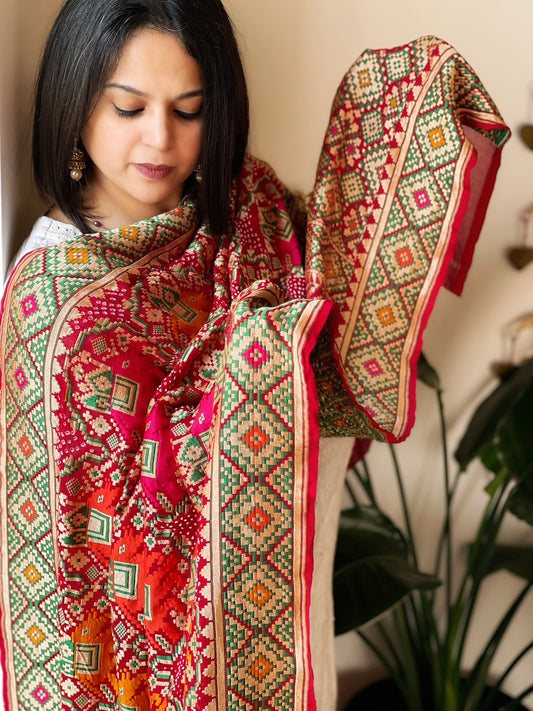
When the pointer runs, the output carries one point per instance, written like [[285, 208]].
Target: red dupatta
[[160, 415]]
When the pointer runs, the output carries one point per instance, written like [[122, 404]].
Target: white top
[[46, 232], [333, 461]]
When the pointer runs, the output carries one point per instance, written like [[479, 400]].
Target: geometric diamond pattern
[[416, 112], [257, 594], [159, 408]]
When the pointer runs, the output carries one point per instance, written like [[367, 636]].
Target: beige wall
[[23, 24], [295, 52]]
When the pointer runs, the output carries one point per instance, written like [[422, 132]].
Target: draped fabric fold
[[163, 391], [405, 174]]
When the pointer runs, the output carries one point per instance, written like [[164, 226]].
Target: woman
[[218, 120], [159, 409]]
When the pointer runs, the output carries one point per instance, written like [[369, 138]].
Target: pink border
[[438, 281], [3, 652], [440, 278], [3, 659], [312, 437], [457, 284]]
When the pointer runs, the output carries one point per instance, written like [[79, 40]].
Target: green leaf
[[515, 436], [520, 500], [500, 480], [366, 531], [490, 457], [490, 413], [372, 572], [516, 559], [426, 373], [368, 587]]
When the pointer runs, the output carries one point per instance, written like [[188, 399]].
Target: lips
[[153, 172]]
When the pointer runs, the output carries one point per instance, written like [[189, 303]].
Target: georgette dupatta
[[162, 393]]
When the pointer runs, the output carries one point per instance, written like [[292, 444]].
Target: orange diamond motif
[[257, 518], [385, 315], [25, 446], [259, 594], [260, 667], [130, 232], [79, 255], [404, 257], [436, 137], [255, 438], [35, 634], [29, 512], [364, 77], [32, 574]]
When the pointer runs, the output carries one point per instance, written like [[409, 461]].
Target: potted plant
[[376, 565]]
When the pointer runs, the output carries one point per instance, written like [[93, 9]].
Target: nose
[[158, 131]]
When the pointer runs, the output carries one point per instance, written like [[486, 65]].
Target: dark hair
[[81, 53]]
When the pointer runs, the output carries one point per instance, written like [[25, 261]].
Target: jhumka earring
[[76, 164], [198, 173]]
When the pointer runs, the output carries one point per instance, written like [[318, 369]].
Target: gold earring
[[77, 163], [198, 173]]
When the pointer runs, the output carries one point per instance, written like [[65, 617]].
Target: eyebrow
[[138, 92]]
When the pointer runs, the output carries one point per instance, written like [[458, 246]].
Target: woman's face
[[144, 133]]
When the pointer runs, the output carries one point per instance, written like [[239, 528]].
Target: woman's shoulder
[[46, 232]]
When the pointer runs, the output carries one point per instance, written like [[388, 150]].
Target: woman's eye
[[127, 113], [187, 115]]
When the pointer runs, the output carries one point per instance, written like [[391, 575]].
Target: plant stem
[[442, 536], [445, 543], [479, 552], [368, 478], [366, 482], [448, 537], [465, 598], [389, 643], [351, 492], [393, 671], [405, 510], [477, 678], [423, 619], [477, 569], [408, 661], [510, 705], [499, 682]]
